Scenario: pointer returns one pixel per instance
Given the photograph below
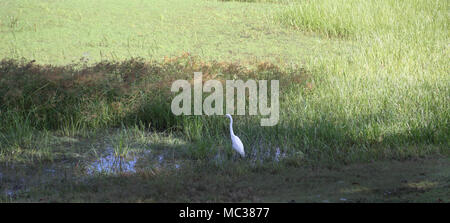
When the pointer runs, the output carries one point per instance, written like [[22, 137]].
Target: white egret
[[235, 141]]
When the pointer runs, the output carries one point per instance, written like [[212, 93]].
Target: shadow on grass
[[78, 99]]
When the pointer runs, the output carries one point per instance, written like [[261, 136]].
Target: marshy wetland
[[85, 101]]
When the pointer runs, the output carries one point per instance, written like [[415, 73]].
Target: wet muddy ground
[[263, 176]]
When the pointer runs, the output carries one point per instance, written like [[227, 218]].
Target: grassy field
[[364, 85]]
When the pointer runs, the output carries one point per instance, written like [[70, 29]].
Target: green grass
[[65, 32], [353, 18], [81, 102], [360, 80], [381, 95]]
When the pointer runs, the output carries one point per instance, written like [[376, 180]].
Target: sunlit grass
[[361, 80], [75, 31]]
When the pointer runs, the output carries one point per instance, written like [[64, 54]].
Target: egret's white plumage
[[235, 141]]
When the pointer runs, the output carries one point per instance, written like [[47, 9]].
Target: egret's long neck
[[231, 127]]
